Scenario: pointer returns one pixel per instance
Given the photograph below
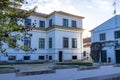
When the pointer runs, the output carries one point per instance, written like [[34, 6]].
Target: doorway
[[117, 54], [103, 56], [60, 56]]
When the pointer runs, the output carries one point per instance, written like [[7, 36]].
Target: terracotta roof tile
[[40, 14], [87, 40]]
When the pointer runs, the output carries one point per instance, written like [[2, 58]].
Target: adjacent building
[[86, 49], [55, 37], [108, 33]]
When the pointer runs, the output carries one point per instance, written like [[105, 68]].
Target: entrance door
[[103, 56], [117, 56], [60, 56]]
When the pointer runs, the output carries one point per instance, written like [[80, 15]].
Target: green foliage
[[9, 15], [75, 63], [95, 51], [16, 63], [1, 68]]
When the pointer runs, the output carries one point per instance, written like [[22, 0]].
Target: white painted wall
[[57, 39], [108, 27], [59, 20]]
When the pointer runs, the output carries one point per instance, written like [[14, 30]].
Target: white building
[[108, 33], [86, 49], [56, 37]]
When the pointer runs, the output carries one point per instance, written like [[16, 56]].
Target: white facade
[[86, 49], [108, 32], [57, 32]]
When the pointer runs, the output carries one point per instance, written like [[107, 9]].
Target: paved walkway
[[70, 74]]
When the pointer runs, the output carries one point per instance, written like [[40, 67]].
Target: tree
[[95, 51], [10, 30], [97, 47]]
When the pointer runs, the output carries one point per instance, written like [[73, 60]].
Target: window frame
[[65, 22], [65, 42], [27, 40], [102, 36], [74, 42], [11, 58], [50, 42], [41, 57], [84, 53], [41, 43], [50, 57], [28, 22], [74, 23], [74, 57], [41, 23], [117, 34], [26, 57], [50, 22], [13, 41]]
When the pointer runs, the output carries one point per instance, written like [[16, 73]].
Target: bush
[[1, 68], [75, 63], [13, 63]]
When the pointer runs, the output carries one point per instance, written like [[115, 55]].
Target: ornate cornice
[[59, 27]]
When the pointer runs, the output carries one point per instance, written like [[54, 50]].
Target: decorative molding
[[59, 27]]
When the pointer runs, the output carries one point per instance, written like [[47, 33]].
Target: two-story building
[[55, 37], [108, 34]]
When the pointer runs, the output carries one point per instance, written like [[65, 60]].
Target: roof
[[111, 23], [40, 14], [87, 40], [66, 14], [56, 12]]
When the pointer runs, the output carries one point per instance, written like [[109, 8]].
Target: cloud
[[94, 11], [50, 5]]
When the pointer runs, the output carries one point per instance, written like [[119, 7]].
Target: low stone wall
[[88, 67], [34, 73], [8, 71], [54, 68], [63, 67]]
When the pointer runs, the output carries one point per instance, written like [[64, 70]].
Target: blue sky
[[94, 11]]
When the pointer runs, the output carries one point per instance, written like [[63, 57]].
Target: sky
[[94, 11]]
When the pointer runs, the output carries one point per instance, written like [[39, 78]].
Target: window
[[11, 57], [26, 57], [42, 24], [65, 22], [84, 53], [28, 22], [13, 42], [74, 57], [41, 43], [65, 42], [50, 57], [27, 42], [117, 34], [50, 42], [74, 23], [102, 36], [41, 57], [50, 22], [74, 43]]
